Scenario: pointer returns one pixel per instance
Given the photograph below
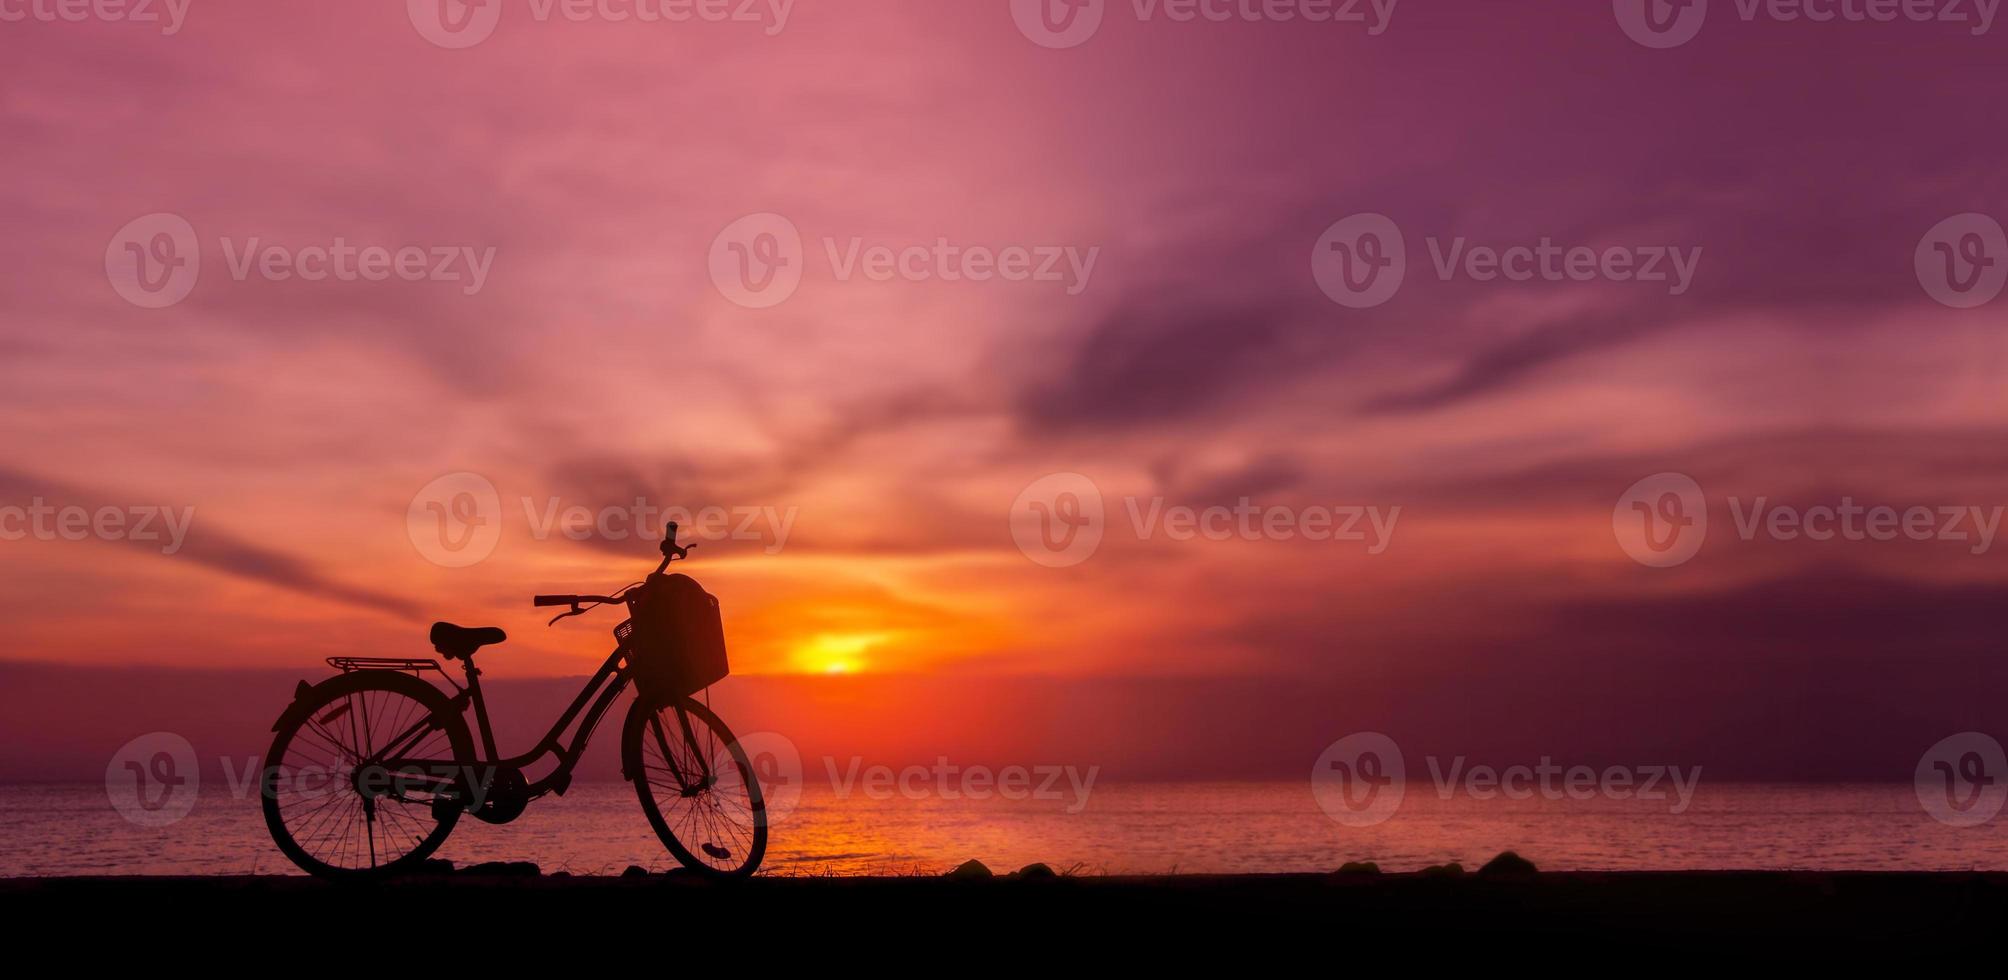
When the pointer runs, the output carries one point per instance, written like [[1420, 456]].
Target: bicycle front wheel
[[696, 785]]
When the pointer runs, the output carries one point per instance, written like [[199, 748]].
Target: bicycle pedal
[[715, 851]]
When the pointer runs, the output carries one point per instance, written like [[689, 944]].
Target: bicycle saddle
[[461, 641]]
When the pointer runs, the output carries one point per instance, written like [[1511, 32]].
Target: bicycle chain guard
[[502, 796]]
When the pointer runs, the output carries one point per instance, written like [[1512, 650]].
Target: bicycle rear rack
[[351, 664]]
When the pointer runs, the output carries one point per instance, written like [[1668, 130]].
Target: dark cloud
[[1266, 476], [1142, 365], [1500, 366], [206, 546], [1810, 464]]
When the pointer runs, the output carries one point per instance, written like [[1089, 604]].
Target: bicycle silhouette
[[371, 769]]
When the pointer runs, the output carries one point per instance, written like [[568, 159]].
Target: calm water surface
[[1143, 828]]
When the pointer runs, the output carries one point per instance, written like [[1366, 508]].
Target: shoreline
[[1796, 913], [477, 875]]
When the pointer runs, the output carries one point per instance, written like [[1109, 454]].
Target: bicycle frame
[[588, 709]]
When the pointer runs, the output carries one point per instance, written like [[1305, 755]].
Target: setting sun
[[836, 653]]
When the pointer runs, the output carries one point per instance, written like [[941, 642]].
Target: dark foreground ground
[[1550, 917]]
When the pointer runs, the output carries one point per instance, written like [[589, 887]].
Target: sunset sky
[[897, 421]]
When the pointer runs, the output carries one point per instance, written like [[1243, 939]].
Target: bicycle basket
[[674, 638]]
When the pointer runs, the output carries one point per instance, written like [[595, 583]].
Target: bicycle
[[370, 770]]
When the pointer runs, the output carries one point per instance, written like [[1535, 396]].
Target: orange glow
[[836, 653]]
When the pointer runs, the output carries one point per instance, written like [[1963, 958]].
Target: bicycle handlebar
[[670, 552], [573, 600]]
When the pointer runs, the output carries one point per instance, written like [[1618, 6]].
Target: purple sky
[[1802, 360]]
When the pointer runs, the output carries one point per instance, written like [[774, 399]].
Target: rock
[[1451, 870], [635, 871], [436, 866], [970, 870], [1359, 868], [505, 869], [1508, 865], [1040, 871]]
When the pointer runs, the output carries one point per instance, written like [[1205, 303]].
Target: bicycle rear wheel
[[338, 820], [697, 787]]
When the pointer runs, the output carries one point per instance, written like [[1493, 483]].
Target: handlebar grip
[[557, 600]]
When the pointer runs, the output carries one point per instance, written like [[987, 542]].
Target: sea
[[1139, 828]]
